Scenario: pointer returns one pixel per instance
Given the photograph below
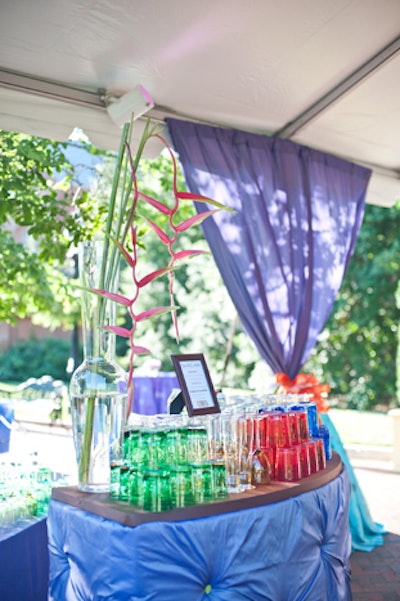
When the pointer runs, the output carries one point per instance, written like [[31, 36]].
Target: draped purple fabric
[[284, 252]]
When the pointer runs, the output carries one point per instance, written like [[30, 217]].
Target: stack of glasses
[[276, 437], [25, 492], [289, 434], [177, 461], [167, 465]]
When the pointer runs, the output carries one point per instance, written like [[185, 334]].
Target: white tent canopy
[[325, 73]]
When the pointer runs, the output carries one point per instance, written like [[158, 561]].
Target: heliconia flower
[[160, 233], [130, 197], [196, 219], [152, 276], [156, 204], [184, 254], [113, 296], [200, 198], [119, 331], [139, 350], [130, 259], [151, 312]]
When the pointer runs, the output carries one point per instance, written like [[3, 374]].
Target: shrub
[[35, 358]]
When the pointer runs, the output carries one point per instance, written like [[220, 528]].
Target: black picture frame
[[195, 381]]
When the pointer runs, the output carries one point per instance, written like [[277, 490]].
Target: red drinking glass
[[314, 460], [294, 426], [287, 464], [305, 460], [279, 432], [321, 453]]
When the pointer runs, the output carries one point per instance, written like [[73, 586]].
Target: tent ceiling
[[325, 73]]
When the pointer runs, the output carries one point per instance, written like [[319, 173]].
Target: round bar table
[[281, 542]]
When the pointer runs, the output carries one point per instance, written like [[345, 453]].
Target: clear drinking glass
[[232, 452]]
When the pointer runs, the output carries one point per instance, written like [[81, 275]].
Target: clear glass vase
[[98, 386]]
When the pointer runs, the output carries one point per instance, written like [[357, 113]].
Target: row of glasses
[[166, 464], [293, 463], [25, 491], [233, 441], [284, 438], [166, 488], [166, 441], [252, 441], [282, 435]]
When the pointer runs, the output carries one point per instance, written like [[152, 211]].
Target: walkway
[[376, 575]]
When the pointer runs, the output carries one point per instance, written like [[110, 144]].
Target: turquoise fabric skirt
[[365, 533]]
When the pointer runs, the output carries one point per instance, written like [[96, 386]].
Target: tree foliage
[[42, 215], [357, 350], [34, 358]]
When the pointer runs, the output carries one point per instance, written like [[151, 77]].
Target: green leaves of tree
[[358, 348], [42, 214], [37, 192]]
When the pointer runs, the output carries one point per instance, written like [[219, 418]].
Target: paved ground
[[52, 446], [375, 575]]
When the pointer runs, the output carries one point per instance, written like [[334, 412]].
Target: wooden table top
[[103, 505]]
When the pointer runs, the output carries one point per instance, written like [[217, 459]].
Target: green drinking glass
[[181, 486], [156, 490], [115, 479], [124, 483], [136, 486]]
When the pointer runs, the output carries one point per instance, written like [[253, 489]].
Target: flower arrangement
[[121, 239], [122, 235], [305, 384]]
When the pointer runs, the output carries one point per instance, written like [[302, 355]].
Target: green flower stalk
[[168, 240], [121, 222]]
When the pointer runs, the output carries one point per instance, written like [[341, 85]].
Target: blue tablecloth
[[293, 550], [152, 392], [24, 563], [6, 419]]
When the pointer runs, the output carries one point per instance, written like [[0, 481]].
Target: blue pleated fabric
[[365, 533], [294, 550]]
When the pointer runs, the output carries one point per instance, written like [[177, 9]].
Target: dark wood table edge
[[103, 505]]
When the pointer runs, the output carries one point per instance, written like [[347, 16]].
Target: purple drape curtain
[[284, 252]]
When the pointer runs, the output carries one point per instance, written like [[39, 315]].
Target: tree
[[356, 352], [38, 196]]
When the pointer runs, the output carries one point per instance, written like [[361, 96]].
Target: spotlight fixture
[[137, 102]]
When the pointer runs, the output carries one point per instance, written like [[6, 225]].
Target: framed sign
[[194, 379]]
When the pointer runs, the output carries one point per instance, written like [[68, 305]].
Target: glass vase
[[98, 394]]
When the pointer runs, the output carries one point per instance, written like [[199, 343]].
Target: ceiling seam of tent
[[50, 89], [338, 91]]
